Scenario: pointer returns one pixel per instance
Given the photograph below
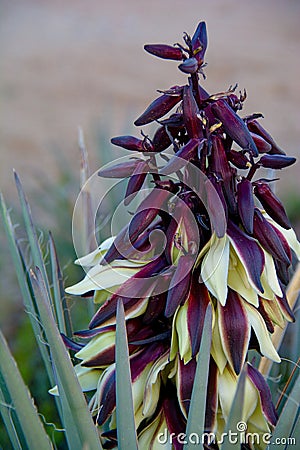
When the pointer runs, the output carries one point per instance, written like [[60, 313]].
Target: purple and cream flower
[[228, 243]]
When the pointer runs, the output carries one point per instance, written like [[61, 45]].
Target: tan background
[[70, 62]]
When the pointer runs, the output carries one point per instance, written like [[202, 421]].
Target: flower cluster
[[209, 231]]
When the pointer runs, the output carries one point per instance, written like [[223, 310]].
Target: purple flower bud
[[164, 51], [249, 251], [282, 271], [264, 393], [246, 204], [217, 212], [276, 161], [256, 127], [161, 139], [218, 187], [285, 307], [283, 241], [199, 42], [234, 330], [107, 396], [268, 238], [212, 397], [136, 181], [130, 143], [271, 204], [190, 114], [70, 344], [218, 159], [262, 145], [262, 311], [198, 300], [146, 212], [186, 153], [234, 126], [122, 170], [180, 284], [186, 377], [175, 420], [158, 108], [190, 65], [155, 308], [238, 159], [174, 121], [222, 170]]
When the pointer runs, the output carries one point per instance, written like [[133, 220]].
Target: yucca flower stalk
[[209, 231]]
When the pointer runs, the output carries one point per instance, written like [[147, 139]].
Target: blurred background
[[70, 63]]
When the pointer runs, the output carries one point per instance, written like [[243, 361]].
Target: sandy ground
[[73, 62], [69, 63]]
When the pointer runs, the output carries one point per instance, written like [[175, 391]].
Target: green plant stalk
[[33, 430], [11, 423], [196, 417], [235, 412], [62, 313], [127, 438], [288, 417], [66, 377], [24, 287], [31, 233]]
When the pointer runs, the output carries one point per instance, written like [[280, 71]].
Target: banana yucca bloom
[[227, 243]]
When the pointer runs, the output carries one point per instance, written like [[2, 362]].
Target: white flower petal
[[88, 379], [148, 439], [269, 278], [214, 268], [238, 280], [184, 344], [96, 345], [103, 277], [289, 235], [95, 257], [227, 384], [152, 385], [217, 351], [265, 344]]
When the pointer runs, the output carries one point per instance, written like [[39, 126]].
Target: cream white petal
[[88, 379], [227, 384], [238, 280], [174, 337], [152, 385], [265, 343], [149, 440], [95, 257], [289, 235], [184, 344], [138, 387], [102, 277], [96, 345], [269, 277], [257, 423], [214, 268], [217, 351]]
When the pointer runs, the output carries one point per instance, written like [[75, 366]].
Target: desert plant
[[189, 290]]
